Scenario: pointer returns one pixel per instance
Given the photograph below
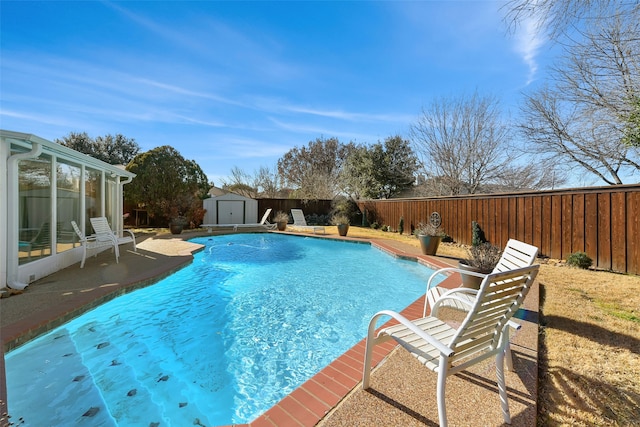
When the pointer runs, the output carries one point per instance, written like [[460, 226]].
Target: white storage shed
[[230, 208]]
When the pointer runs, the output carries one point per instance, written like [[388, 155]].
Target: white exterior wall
[[230, 209]]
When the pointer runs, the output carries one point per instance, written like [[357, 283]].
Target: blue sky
[[239, 83]]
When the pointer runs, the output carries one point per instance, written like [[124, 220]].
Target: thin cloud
[[529, 40], [183, 91]]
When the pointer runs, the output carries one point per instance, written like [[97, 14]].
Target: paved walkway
[[403, 391]]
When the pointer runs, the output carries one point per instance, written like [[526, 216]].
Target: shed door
[[231, 211]]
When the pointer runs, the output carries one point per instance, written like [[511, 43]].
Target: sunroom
[[44, 187]]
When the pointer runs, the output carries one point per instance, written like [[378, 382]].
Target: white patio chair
[[300, 222], [91, 242], [516, 254], [102, 229], [447, 350]]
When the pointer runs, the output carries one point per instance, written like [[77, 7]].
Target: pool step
[[137, 388], [49, 386]]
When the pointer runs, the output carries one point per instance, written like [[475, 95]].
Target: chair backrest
[[298, 217], [498, 299], [516, 254], [77, 230], [102, 228], [43, 237], [265, 216]]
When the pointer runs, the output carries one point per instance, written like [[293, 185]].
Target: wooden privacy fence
[[604, 222]]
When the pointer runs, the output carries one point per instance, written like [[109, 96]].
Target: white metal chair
[[301, 223], [447, 350], [516, 254], [91, 242], [104, 231]]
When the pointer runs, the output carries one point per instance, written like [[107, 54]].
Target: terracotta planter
[[429, 244], [343, 229], [281, 225], [469, 281]]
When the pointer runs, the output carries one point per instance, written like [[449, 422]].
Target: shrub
[[401, 225], [317, 219], [281, 217], [340, 219], [477, 235], [428, 229], [447, 238], [484, 256], [580, 260]]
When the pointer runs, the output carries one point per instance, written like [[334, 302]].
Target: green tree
[[115, 150], [381, 171], [631, 129], [357, 176], [395, 166], [167, 184], [313, 170]]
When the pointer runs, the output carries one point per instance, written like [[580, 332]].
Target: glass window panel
[[67, 204], [109, 200], [34, 207], [93, 197]]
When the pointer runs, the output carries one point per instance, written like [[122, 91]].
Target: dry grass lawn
[[589, 355]]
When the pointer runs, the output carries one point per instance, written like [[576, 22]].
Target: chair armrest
[[452, 269], [514, 325], [462, 295], [443, 349], [89, 238], [133, 236]]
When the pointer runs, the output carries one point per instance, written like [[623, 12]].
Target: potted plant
[[429, 236], [281, 219], [342, 222], [177, 224], [482, 258]]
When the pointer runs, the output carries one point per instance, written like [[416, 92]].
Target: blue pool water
[[219, 342]]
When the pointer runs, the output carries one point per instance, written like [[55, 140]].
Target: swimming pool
[[219, 342]]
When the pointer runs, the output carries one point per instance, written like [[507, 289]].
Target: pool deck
[[402, 393]]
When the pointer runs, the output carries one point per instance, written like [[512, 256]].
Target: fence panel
[[604, 222]]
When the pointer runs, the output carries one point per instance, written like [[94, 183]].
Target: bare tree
[[266, 181], [585, 116], [240, 182], [556, 18], [533, 176], [313, 170], [463, 142]]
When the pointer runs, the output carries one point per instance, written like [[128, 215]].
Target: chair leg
[[508, 358], [84, 255], [366, 374], [502, 387], [442, 382]]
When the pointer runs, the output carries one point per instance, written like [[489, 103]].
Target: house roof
[[27, 140]]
